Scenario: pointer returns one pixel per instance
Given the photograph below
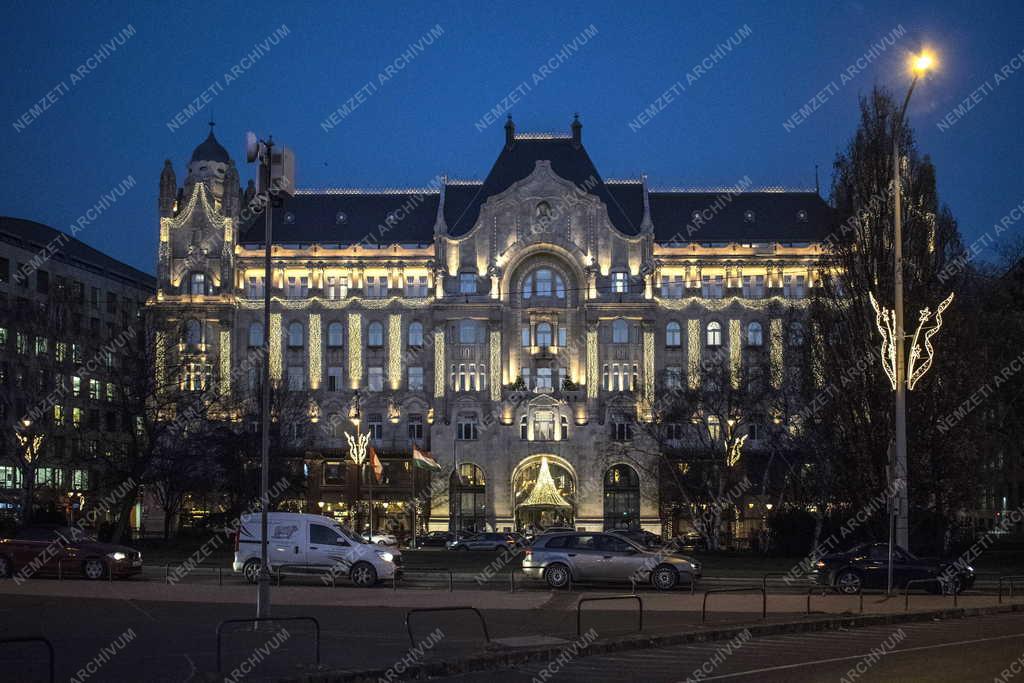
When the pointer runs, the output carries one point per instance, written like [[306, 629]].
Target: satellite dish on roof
[[252, 147]]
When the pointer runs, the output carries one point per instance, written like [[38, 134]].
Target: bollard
[[60, 570], [861, 594], [512, 581], [451, 581], [167, 572]]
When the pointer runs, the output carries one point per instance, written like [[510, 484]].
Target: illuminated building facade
[[521, 325]]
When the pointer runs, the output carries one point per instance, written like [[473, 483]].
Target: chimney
[[510, 131], [577, 130]]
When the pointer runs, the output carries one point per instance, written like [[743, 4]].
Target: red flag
[[376, 465]]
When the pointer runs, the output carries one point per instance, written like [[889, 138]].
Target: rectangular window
[[415, 378], [76, 417], [42, 345], [94, 389], [42, 282], [415, 422], [712, 288], [562, 337], [525, 372], [620, 282], [416, 287], [544, 378], [5, 271], [467, 428], [337, 287], [254, 287], [525, 334], [375, 378], [672, 287], [563, 377], [673, 377], [543, 425], [622, 428], [50, 476], [376, 286], [76, 353], [334, 473], [21, 342], [334, 378], [111, 302], [94, 298], [3, 336], [79, 480], [467, 283], [375, 425], [296, 377], [297, 287], [10, 477], [59, 416]]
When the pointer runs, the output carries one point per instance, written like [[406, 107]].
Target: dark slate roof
[[517, 161], [210, 150], [776, 216], [36, 237], [351, 216]]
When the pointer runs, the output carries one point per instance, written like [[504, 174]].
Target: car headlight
[[387, 557], [819, 564], [117, 556]]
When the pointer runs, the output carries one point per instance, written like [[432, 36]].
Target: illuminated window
[[415, 334], [673, 334], [295, 336], [543, 282], [79, 480], [254, 287], [620, 332], [620, 282], [714, 428], [42, 343], [337, 287], [375, 335], [714, 333], [793, 286], [10, 477], [335, 335], [197, 284], [543, 425], [543, 378], [753, 287], [755, 335]]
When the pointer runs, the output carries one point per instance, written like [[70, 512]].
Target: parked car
[[487, 541], [380, 538], [49, 550], [315, 544], [557, 530], [435, 539], [643, 538], [867, 566], [583, 556]]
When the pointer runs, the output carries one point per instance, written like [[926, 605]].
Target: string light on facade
[[161, 359], [545, 493], [225, 362], [315, 351], [693, 353], [593, 383], [775, 352], [395, 351], [735, 349], [355, 349], [439, 363], [494, 357], [919, 363], [647, 401], [275, 347]]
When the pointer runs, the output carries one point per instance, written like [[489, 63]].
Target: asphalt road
[[960, 650]]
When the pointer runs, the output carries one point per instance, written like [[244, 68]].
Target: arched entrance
[[621, 498], [544, 493], [468, 503]]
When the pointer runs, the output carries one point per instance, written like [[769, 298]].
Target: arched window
[[415, 334], [193, 333], [543, 282], [755, 336], [621, 498], [295, 335], [620, 332], [796, 334], [524, 428], [563, 429], [335, 336], [673, 334], [714, 428], [544, 334], [714, 333], [197, 283], [375, 334], [255, 335]]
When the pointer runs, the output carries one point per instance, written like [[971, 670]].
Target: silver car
[[581, 556]]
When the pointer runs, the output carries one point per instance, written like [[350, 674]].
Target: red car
[[49, 550]]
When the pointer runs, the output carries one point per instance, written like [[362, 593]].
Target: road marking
[[831, 660]]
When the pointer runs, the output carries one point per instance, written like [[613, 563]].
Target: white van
[[313, 543]]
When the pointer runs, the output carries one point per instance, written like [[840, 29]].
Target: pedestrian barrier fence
[[739, 589], [923, 582], [426, 570], [302, 570], [420, 610], [1010, 580], [579, 609], [219, 571], [34, 639], [256, 620]]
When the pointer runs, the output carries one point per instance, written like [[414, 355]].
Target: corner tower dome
[[209, 163]]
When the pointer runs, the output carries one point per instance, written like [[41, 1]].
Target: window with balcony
[[197, 285], [753, 287], [416, 286], [337, 287], [793, 286], [544, 378], [712, 288], [297, 287], [376, 286], [544, 335], [543, 425], [672, 286]]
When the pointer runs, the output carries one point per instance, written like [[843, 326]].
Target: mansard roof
[[726, 215]]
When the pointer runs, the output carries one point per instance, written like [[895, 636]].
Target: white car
[[313, 543], [381, 538]]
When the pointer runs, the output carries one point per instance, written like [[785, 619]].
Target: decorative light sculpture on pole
[[890, 325], [358, 447]]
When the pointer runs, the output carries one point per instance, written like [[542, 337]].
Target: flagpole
[[414, 467], [458, 485], [373, 474]]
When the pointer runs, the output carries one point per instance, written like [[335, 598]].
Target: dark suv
[[49, 550]]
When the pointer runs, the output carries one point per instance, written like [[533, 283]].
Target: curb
[[499, 660]]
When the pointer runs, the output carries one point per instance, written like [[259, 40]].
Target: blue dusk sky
[[723, 85]]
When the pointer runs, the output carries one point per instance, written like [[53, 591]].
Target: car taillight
[[528, 554]]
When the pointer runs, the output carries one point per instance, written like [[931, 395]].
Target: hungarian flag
[[421, 459], [376, 465]]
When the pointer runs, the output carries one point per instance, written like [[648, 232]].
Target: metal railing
[[219, 571], [579, 609], [33, 639], [764, 599], [255, 620], [1011, 578], [279, 571], [425, 570], [920, 582], [408, 621]]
